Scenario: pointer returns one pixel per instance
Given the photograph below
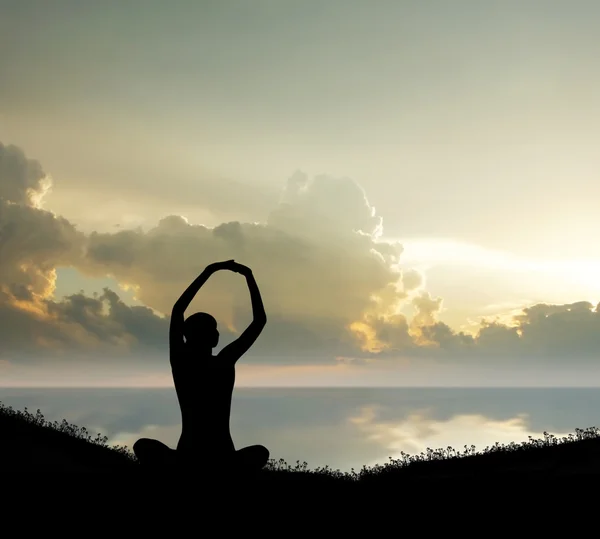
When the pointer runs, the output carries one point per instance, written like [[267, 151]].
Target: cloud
[[125, 197], [110, 322], [331, 286], [316, 259], [541, 334], [568, 331], [325, 207], [22, 180], [81, 327], [33, 243]]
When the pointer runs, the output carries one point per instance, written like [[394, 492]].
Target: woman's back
[[204, 388]]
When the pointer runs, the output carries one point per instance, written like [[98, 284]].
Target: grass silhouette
[[30, 443]]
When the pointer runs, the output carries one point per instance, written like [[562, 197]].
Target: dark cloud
[[111, 322], [80, 327], [33, 242], [27, 335], [542, 334], [567, 332]]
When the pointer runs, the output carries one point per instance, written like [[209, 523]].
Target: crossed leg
[[251, 459], [153, 453]]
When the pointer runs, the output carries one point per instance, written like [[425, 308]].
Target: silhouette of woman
[[204, 386]]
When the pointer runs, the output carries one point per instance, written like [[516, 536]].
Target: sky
[[412, 183]]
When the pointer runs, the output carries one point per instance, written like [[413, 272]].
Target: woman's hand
[[217, 266], [230, 265], [241, 269]]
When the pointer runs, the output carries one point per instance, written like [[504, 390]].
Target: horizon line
[[317, 387]]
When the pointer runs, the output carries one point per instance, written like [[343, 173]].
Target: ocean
[[342, 428]]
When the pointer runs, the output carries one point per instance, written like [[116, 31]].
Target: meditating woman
[[204, 385]]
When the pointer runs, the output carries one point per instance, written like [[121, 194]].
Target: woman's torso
[[204, 389]]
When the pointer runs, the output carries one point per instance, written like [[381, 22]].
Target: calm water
[[340, 427]]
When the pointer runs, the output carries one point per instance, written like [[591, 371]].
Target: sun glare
[[567, 279]]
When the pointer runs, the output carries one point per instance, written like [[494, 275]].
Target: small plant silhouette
[[281, 468], [64, 427]]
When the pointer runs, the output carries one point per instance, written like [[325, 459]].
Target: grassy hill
[[29, 443]]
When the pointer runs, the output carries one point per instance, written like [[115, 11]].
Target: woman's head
[[200, 329]]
